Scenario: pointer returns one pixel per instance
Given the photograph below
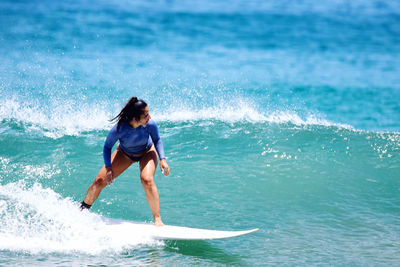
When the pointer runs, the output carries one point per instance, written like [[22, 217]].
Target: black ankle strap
[[85, 206]]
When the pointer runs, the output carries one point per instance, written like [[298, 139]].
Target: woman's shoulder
[[122, 128], [151, 124]]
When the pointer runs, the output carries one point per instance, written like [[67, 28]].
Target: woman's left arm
[[155, 136]]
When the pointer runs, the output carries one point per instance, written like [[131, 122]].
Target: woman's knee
[[99, 182], [147, 180]]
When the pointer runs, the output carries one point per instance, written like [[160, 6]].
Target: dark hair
[[133, 109]]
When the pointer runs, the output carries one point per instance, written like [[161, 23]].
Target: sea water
[[280, 115]]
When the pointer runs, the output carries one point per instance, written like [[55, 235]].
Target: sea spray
[[38, 220]]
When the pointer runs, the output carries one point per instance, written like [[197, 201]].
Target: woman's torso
[[134, 140]]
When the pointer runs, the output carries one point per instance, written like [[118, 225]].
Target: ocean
[[278, 115]]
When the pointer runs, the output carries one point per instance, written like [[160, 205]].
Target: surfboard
[[169, 232]]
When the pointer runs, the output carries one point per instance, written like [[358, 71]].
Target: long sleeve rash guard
[[133, 140]]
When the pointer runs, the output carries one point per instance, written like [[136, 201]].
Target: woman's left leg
[[148, 165]]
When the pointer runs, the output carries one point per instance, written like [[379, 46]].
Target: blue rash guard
[[133, 140]]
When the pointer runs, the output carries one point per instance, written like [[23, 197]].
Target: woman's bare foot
[[158, 222]]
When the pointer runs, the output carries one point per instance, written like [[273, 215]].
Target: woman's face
[[145, 117]]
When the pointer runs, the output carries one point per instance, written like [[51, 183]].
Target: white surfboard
[[169, 232]]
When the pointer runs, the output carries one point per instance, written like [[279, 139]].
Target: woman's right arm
[[111, 139]]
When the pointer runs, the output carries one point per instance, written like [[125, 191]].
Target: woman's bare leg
[[148, 166], [119, 163]]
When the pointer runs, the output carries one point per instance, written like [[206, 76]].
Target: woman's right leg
[[119, 163]]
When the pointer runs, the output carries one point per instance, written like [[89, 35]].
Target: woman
[[139, 141]]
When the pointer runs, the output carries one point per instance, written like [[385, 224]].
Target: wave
[[38, 220], [64, 118], [72, 119]]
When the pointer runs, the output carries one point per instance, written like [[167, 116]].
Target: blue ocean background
[[280, 115]]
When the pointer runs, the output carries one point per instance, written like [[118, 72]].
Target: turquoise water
[[283, 116]]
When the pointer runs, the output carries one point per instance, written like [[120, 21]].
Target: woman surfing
[[139, 141]]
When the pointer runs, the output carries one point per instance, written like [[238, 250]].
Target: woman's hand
[[164, 167], [109, 175]]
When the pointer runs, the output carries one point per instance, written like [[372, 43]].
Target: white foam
[[232, 112], [64, 118], [293, 117], [38, 220], [240, 113], [70, 119]]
